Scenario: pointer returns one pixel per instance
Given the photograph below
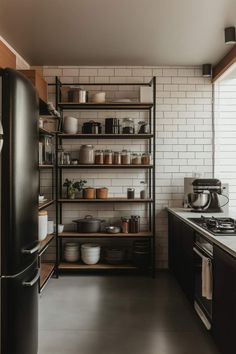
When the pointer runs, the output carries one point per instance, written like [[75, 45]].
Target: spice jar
[[136, 159], [102, 193], [125, 157], [99, 158], [108, 157], [128, 126], [130, 193], [117, 158], [125, 225], [146, 158], [86, 155], [89, 193]]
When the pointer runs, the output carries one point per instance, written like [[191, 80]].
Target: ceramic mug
[[60, 228]]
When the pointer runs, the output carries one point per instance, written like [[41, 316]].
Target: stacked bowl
[[90, 253], [71, 252]]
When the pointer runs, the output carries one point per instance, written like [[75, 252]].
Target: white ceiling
[[117, 32]]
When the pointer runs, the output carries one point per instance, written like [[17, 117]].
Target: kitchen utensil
[[90, 253], [89, 224], [199, 201], [42, 225], [113, 229], [86, 155], [102, 193], [99, 97], [70, 125], [89, 193]]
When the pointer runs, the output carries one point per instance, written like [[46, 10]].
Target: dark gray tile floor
[[119, 315]]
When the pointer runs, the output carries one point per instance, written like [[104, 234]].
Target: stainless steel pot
[[199, 201], [89, 224]]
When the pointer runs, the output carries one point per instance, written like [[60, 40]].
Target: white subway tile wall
[[183, 138], [225, 135]]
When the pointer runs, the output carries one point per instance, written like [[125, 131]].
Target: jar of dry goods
[[102, 193], [125, 225], [128, 126], [125, 157], [146, 158], [108, 157], [99, 157], [117, 158], [136, 159], [130, 193], [86, 155], [89, 193]]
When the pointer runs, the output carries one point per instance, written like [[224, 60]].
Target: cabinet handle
[[31, 250], [33, 281], [199, 253]]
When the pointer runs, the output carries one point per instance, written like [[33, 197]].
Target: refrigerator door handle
[[31, 250], [1, 136], [33, 281]]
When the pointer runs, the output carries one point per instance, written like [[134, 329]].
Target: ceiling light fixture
[[230, 36], [206, 70]]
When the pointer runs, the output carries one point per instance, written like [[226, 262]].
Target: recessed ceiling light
[[206, 70], [230, 36]]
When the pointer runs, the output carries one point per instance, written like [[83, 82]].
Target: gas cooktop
[[216, 226]]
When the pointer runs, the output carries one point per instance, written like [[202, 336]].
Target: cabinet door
[[174, 245], [187, 260], [224, 301]]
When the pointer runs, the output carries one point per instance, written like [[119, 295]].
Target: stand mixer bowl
[[199, 201]]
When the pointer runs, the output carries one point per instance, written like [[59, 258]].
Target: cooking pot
[[89, 224]]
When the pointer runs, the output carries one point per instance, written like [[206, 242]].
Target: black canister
[[130, 193]]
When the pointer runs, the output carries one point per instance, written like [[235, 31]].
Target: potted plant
[[73, 187]]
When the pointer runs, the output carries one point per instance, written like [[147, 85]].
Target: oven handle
[[199, 253]]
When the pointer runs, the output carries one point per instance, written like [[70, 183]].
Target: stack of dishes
[[90, 253], [71, 252], [141, 253], [114, 255]]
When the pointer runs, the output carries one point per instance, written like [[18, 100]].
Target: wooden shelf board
[[105, 106], [106, 166], [46, 270], [108, 200], [101, 234], [46, 166], [98, 266], [45, 205], [45, 131], [105, 136], [45, 243]]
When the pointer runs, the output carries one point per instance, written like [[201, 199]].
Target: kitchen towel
[[207, 278]]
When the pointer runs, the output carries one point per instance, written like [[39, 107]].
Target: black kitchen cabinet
[[181, 240], [224, 300]]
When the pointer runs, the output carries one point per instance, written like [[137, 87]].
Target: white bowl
[[99, 97], [90, 260]]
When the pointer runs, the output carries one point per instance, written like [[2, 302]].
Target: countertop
[[227, 243]]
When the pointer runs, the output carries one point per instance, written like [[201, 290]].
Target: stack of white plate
[[90, 253], [71, 252]]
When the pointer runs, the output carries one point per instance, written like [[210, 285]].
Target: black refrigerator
[[18, 214]]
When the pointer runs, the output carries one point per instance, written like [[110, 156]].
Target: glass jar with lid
[[60, 155], [143, 127], [108, 157], [117, 158], [128, 126], [136, 159], [86, 155], [99, 157], [146, 158], [125, 157]]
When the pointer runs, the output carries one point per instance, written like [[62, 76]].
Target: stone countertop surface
[[227, 243]]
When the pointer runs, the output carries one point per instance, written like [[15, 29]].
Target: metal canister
[[82, 96], [130, 193], [135, 224]]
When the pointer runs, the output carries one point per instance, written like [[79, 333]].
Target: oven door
[[202, 305]]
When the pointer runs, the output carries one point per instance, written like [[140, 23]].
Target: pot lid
[[88, 219]]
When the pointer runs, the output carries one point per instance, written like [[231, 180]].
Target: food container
[[146, 158], [70, 125], [128, 126], [99, 157], [99, 97], [102, 193], [117, 158], [125, 157], [136, 159], [42, 225], [48, 150], [71, 252], [143, 127], [60, 155], [108, 157], [89, 193], [130, 193], [89, 224], [134, 224], [86, 155], [125, 225], [90, 253], [113, 229]]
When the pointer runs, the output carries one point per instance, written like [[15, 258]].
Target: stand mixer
[[205, 197]]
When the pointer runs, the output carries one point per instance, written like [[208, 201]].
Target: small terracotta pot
[[102, 193], [89, 193]]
